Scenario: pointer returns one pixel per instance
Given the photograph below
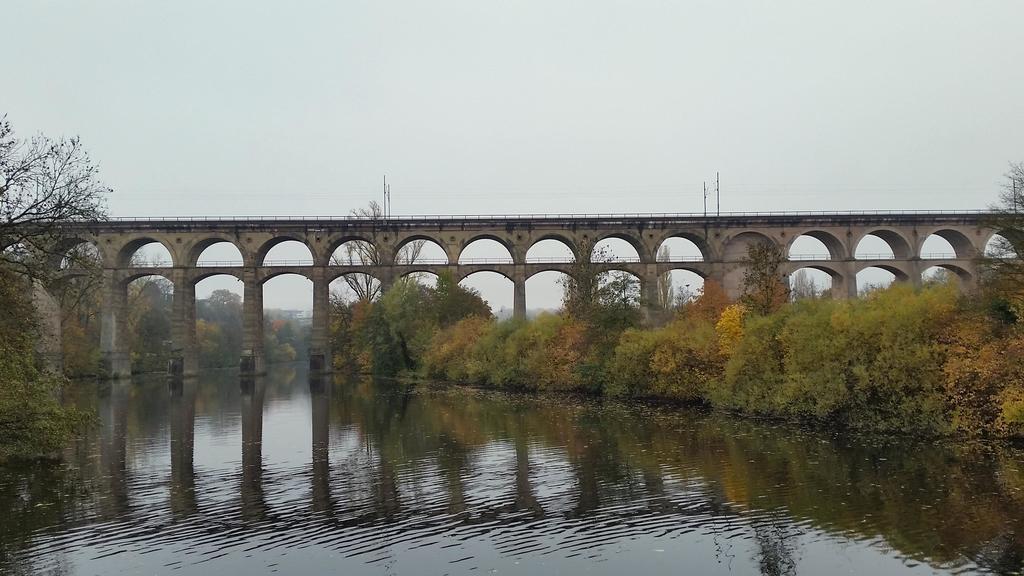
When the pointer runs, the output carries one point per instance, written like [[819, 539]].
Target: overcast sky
[[299, 108]]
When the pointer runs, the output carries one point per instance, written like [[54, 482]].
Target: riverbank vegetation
[[925, 360], [43, 182]]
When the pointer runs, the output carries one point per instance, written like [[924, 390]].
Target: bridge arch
[[485, 248], [227, 272], [545, 289], [489, 243], [355, 252], [355, 286], [816, 240], [77, 253], [684, 247], [291, 250], [496, 288], [273, 273], [615, 248], [214, 308], [195, 250], [813, 281], [223, 252], [879, 275], [161, 252], [959, 273], [155, 296], [423, 275], [545, 246], [287, 296], [337, 241], [678, 283], [136, 273], [897, 243], [938, 242], [432, 251], [638, 250], [1002, 244]]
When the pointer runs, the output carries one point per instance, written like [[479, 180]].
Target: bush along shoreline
[[924, 362]]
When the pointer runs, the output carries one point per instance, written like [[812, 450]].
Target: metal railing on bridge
[[545, 216]]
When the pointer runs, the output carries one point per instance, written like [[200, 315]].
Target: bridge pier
[[184, 359], [519, 293], [320, 358], [49, 346], [252, 361], [115, 358], [650, 308]]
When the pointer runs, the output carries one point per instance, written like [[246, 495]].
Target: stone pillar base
[[251, 365], [115, 366]]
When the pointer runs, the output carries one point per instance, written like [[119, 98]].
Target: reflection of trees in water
[[776, 542], [609, 469]]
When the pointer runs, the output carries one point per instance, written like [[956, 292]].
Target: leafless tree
[[43, 183], [366, 253], [1002, 259], [804, 286]]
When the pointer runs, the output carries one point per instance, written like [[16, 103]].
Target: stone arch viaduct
[[722, 241]]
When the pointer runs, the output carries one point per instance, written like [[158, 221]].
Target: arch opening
[[614, 250], [80, 255], [882, 245], [619, 288], [485, 251], [422, 277], [680, 249], [677, 287], [1000, 247], [947, 244], [149, 307], [496, 289], [545, 292], [218, 336], [220, 253], [288, 253], [944, 274], [936, 247], [146, 254], [809, 283], [355, 287], [550, 250], [420, 251], [355, 253], [287, 317], [877, 278], [808, 247]]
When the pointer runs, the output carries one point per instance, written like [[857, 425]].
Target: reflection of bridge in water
[[362, 507], [722, 243], [369, 473]]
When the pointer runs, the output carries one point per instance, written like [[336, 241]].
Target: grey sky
[[298, 108]]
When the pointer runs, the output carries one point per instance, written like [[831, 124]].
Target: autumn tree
[[764, 288]]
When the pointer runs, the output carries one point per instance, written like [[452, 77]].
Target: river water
[[286, 475]]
